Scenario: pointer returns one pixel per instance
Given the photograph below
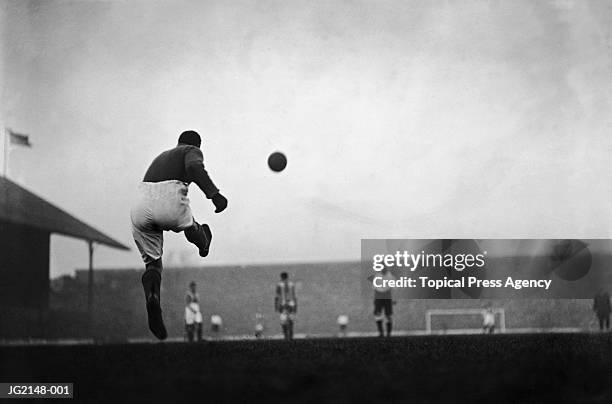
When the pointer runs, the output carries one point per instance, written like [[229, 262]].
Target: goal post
[[500, 316]]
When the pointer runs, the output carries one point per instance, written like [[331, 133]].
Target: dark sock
[[151, 279], [379, 325], [194, 233], [389, 328], [151, 283]]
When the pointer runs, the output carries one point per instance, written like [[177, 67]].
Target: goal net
[[461, 321]]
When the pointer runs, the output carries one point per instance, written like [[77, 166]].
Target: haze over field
[[420, 119]]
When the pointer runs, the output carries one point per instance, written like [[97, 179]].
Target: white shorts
[[161, 206], [488, 321], [287, 312], [192, 314]]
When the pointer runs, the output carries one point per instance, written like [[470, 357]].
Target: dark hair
[[284, 275], [190, 137]]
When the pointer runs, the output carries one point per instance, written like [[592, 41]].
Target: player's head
[[190, 137], [284, 276], [192, 285]]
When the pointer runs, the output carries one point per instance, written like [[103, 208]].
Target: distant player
[[163, 205], [216, 324], [343, 321], [193, 316], [601, 307], [285, 303], [259, 327], [383, 304], [488, 320]]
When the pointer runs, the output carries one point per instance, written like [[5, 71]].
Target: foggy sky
[[413, 119]]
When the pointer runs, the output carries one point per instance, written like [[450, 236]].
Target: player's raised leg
[[200, 235]]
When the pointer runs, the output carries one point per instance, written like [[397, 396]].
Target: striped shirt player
[[285, 303], [193, 316], [383, 304]]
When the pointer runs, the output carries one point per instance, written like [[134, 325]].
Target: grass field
[[529, 368]]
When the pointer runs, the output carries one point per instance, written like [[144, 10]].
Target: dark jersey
[[183, 163], [383, 292]]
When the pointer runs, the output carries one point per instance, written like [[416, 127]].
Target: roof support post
[[90, 290], [6, 152]]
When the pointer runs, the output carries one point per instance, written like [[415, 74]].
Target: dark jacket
[[183, 163]]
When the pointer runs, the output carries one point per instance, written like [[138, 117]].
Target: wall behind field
[[237, 293]]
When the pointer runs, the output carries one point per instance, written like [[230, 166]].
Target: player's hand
[[220, 202]]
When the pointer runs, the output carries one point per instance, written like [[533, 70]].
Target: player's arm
[[194, 166]]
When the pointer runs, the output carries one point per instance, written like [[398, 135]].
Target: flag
[[19, 139]]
